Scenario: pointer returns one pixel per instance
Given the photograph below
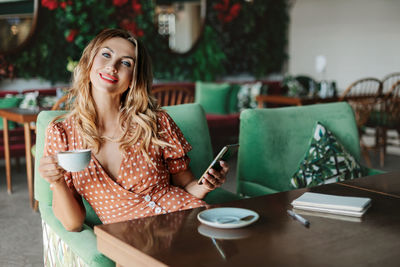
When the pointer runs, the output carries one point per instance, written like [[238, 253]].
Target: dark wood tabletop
[[179, 239], [284, 100], [20, 115], [388, 183]]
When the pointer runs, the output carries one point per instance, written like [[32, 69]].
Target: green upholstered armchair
[[273, 142], [63, 248]]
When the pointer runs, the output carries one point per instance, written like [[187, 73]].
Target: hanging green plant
[[239, 37], [253, 34]]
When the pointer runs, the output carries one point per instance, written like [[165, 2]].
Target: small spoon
[[230, 220]]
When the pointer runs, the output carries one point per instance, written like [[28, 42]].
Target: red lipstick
[[108, 78]]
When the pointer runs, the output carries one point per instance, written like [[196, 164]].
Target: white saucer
[[217, 216]]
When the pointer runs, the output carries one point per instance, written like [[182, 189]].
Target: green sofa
[[63, 248], [273, 142]]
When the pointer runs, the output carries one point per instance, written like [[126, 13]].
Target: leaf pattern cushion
[[326, 161], [247, 93]]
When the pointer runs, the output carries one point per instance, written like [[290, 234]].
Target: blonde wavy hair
[[137, 108]]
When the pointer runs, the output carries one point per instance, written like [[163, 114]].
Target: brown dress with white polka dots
[[141, 188]]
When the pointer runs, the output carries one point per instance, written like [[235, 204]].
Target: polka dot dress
[[141, 188]]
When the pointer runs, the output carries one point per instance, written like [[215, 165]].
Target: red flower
[[119, 2], [6, 69], [222, 6], [131, 27], [64, 4], [71, 36], [235, 9], [10, 71], [139, 33], [136, 6], [227, 13], [227, 19], [50, 4]]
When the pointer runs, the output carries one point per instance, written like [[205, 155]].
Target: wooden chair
[[388, 81], [390, 120], [364, 96], [61, 103], [363, 87], [170, 95]]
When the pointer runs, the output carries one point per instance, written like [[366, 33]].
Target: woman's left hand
[[213, 179]]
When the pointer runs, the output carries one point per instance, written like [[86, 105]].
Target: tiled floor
[[20, 229]]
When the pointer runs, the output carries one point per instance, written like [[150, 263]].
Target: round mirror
[[17, 23], [181, 22]]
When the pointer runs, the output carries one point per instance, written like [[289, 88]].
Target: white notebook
[[329, 215], [349, 206]]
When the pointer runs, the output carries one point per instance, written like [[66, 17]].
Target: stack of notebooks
[[320, 204]]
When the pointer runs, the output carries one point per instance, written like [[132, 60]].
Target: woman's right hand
[[67, 204], [50, 170]]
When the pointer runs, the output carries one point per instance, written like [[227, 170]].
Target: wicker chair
[[390, 120], [388, 81], [364, 97], [170, 95]]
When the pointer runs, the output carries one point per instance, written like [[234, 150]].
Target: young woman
[[139, 165]]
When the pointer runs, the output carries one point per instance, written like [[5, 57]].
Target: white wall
[[359, 38]]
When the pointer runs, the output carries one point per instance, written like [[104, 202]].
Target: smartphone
[[225, 153]]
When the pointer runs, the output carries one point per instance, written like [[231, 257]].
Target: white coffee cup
[[74, 160]]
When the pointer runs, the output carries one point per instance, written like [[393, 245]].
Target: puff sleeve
[[56, 141], [174, 155]]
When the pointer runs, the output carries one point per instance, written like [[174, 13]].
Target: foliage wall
[[239, 37]]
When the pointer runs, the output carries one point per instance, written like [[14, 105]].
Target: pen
[[297, 217]]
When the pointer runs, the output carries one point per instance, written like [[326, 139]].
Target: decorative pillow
[[47, 101], [326, 161], [214, 97], [9, 102], [294, 87], [30, 100]]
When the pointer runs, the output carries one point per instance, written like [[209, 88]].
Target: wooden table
[[179, 239], [386, 184], [281, 100], [24, 116]]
